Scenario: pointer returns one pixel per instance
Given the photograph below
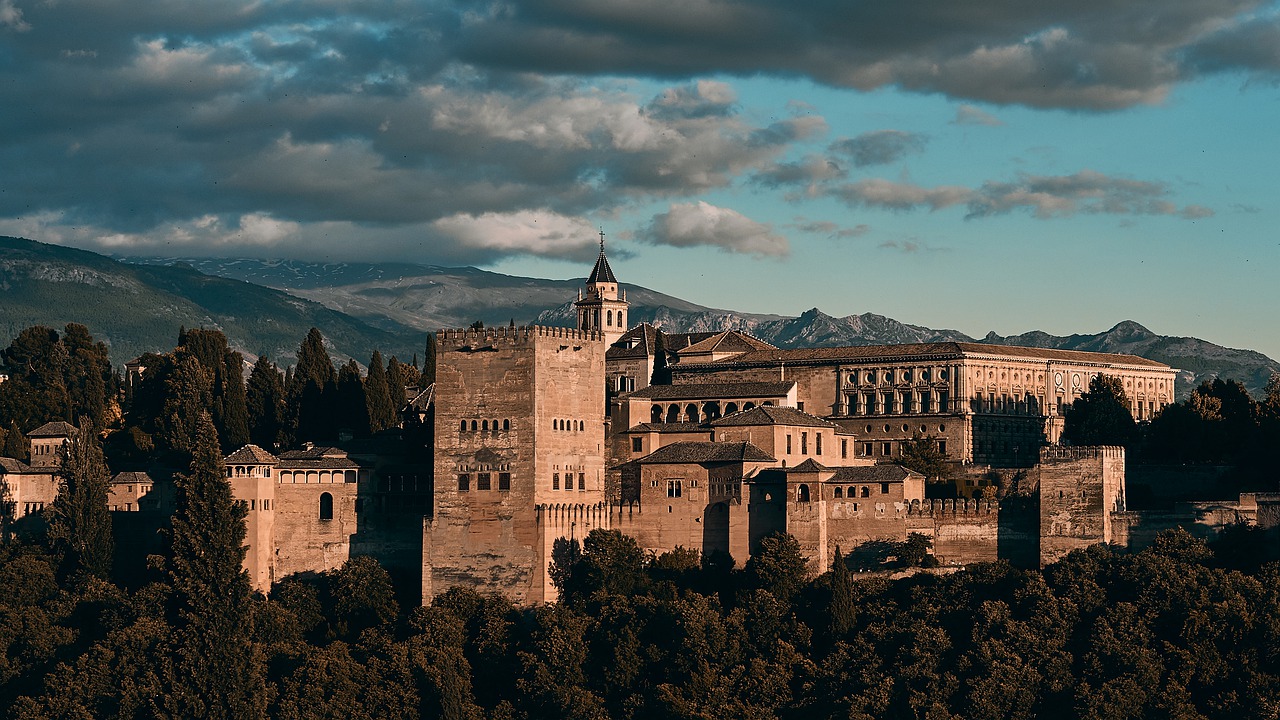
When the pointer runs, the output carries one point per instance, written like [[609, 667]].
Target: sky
[[988, 165]]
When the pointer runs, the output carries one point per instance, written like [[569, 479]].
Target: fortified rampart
[[1080, 488]]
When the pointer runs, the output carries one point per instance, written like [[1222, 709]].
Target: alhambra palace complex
[[546, 432]]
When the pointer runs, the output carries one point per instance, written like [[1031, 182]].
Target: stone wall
[[1080, 488], [303, 541]]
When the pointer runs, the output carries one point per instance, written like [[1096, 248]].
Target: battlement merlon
[[461, 337], [1052, 453]]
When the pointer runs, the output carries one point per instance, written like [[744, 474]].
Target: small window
[[884, 488], [484, 426], [506, 424], [473, 426], [817, 443], [504, 482], [637, 444], [866, 491], [582, 481], [326, 506], [788, 444], [802, 494], [555, 481], [844, 448], [464, 482], [804, 443], [838, 493], [463, 427], [482, 481], [673, 488]]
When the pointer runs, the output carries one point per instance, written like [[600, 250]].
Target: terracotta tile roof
[[727, 341], [315, 452], [12, 465], [872, 474], [250, 455], [881, 353], [53, 429], [715, 391], [772, 415], [808, 466], [706, 452], [131, 477], [644, 337], [319, 464]]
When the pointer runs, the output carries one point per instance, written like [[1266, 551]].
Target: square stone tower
[[519, 428]]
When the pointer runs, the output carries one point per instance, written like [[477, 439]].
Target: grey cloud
[[810, 170], [1253, 44], [970, 115], [880, 147], [700, 223], [833, 230]]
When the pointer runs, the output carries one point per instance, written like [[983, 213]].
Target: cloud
[[11, 17], [700, 223], [1068, 55], [810, 170], [880, 147], [832, 230], [1045, 196], [971, 115], [525, 232], [704, 98]]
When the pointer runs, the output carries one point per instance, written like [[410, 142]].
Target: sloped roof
[[808, 466], [772, 415], [250, 455], [880, 353], [423, 399], [680, 427], [715, 391], [644, 336], [602, 273], [314, 452], [13, 465], [53, 429], [871, 474], [726, 342], [131, 477], [706, 452]]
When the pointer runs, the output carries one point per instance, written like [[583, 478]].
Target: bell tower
[[601, 306]]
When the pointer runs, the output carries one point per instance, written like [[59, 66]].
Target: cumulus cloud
[[1045, 196], [971, 115], [11, 17], [700, 223], [526, 231], [880, 147]]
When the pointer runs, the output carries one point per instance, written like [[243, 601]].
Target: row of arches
[[693, 412], [483, 425], [568, 425], [317, 476]]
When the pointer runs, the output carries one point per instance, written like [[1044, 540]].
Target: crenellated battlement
[[953, 506], [1068, 453], [483, 336]]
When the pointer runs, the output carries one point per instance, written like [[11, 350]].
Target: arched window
[[620, 324], [506, 424], [484, 425], [463, 426], [609, 318], [839, 493], [802, 494], [691, 413], [731, 408], [326, 506], [673, 414], [655, 414], [473, 426], [866, 492], [748, 406]]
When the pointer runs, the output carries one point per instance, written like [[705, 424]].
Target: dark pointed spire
[[601, 273]]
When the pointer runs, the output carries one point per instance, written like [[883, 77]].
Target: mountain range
[[138, 304]]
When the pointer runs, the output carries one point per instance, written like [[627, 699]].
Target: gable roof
[[727, 341], [643, 337], [808, 466], [250, 455], [678, 427], [13, 465], [131, 477], [706, 452], [772, 415], [872, 474], [715, 391], [57, 428]]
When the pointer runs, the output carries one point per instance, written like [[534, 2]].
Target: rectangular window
[[866, 449], [804, 443], [482, 481], [886, 404], [906, 403], [582, 481], [942, 401], [637, 444], [942, 446], [888, 449], [926, 402], [800, 406], [555, 481], [464, 482], [844, 448], [673, 488], [817, 444], [504, 481], [788, 444], [884, 488]]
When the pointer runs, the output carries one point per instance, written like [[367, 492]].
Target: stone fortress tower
[[602, 308]]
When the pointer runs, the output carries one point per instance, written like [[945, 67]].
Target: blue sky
[[989, 165]]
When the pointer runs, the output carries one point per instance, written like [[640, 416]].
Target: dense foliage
[[1182, 629]]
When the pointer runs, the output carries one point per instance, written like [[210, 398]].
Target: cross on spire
[[601, 241]]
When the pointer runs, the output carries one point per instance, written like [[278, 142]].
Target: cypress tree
[[378, 396], [214, 670], [352, 405], [188, 393], [15, 443], [399, 377], [842, 610], [87, 373], [429, 363], [235, 414], [312, 391], [79, 522], [264, 404]]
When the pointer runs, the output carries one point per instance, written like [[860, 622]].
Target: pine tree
[[378, 396], [264, 404], [312, 391], [214, 669], [187, 394], [79, 522], [429, 363], [87, 374]]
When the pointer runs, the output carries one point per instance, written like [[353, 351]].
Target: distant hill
[[429, 297], [140, 308]]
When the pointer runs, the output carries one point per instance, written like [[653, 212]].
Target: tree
[[235, 413], [264, 404], [778, 566], [79, 522], [187, 394], [661, 372], [352, 405], [15, 443], [88, 375], [214, 669], [842, 610], [922, 455], [399, 377], [1101, 416], [311, 390], [429, 362], [378, 395]]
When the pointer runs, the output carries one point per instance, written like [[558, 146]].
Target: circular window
[[906, 376], [1057, 379], [888, 377], [868, 428], [871, 377], [1075, 380], [942, 428], [924, 375], [924, 429], [853, 379], [905, 427], [886, 428], [991, 374], [942, 374]]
